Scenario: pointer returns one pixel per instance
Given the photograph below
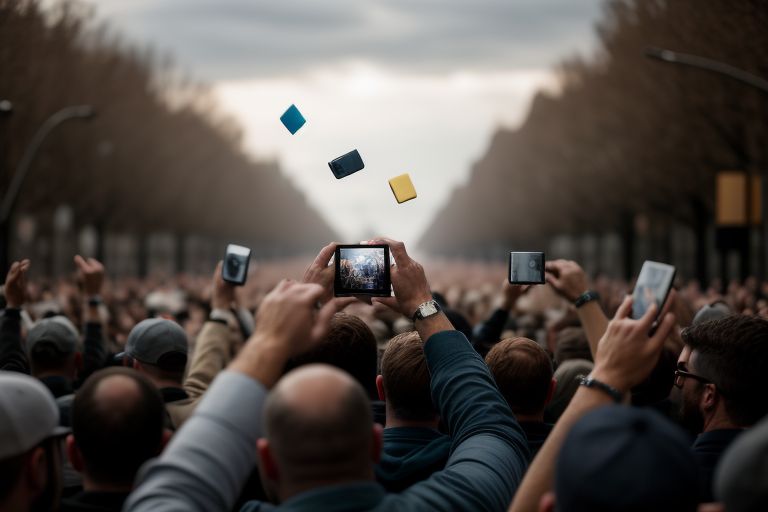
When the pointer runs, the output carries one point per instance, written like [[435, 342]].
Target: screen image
[[652, 287], [526, 267], [363, 269]]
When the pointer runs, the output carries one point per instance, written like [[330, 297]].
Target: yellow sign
[[731, 206]]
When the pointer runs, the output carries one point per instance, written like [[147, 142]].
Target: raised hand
[[567, 278], [91, 272], [16, 284]]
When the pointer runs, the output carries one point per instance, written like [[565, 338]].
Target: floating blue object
[[292, 119]]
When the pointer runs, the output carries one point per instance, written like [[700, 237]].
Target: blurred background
[[146, 133]]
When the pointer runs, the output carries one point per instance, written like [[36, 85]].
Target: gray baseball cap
[[58, 331], [28, 414], [709, 312], [159, 342]]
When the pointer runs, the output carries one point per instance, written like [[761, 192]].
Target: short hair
[[572, 343], [733, 353], [406, 378], [523, 373], [116, 437], [350, 346], [10, 472], [159, 372], [309, 446]]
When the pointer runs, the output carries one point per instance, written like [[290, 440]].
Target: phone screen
[[652, 287], [362, 270], [235, 268], [526, 267]]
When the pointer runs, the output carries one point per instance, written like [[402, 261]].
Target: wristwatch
[[587, 296], [611, 391], [426, 309]]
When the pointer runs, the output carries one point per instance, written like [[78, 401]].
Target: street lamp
[[11, 195], [742, 76]]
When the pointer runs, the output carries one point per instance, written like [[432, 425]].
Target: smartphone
[[652, 287], [526, 267], [235, 267], [362, 270], [346, 164]]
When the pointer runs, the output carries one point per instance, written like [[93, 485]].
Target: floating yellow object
[[402, 187]]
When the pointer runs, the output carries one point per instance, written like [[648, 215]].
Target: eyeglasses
[[681, 375]]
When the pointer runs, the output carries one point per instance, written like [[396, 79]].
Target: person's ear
[[551, 390], [380, 388], [74, 455], [378, 443], [36, 471], [709, 397], [547, 502], [267, 460]]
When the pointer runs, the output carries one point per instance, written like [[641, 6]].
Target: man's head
[[158, 348], [52, 345], [117, 424], [30, 467], [349, 345], [523, 372], [624, 459], [319, 431], [404, 382], [721, 372]]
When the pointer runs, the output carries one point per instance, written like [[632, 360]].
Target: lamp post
[[22, 169], [686, 59]]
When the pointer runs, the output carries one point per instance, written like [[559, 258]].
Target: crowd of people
[[458, 392]]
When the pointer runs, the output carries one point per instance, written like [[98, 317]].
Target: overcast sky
[[417, 86]]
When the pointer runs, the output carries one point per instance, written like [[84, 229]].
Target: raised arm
[[91, 275], [12, 355], [211, 456], [570, 281], [489, 332], [215, 343], [489, 451], [625, 356]]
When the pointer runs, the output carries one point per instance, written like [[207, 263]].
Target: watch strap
[[419, 316], [587, 296], [611, 391]]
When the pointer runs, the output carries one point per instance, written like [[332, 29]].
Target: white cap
[[28, 414]]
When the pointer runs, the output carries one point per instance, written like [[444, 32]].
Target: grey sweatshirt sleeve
[[209, 459]]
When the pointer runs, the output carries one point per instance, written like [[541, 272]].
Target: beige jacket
[[216, 345]]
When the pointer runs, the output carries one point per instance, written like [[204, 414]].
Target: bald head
[[117, 423], [319, 427]]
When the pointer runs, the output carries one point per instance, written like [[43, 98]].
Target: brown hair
[[406, 378], [523, 372]]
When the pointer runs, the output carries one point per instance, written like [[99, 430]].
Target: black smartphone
[[346, 164], [235, 267], [652, 287], [526, 267], [362, 270]]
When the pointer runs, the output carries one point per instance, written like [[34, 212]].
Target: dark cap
[[620, 458], [58, 331], [740, 479], [709, 312], [159, 342]]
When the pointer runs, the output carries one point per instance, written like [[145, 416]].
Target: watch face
[[427, 309]]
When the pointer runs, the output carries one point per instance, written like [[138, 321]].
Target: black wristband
[[585, 297], [94, 301], [611, 391]]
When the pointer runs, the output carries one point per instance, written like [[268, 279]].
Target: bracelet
[[94, 300], [611, 391], [585, 297]]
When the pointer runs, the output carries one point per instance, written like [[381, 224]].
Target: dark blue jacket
[[488, 455], [410, 455]]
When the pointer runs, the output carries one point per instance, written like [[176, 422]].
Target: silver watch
[[426, 310]]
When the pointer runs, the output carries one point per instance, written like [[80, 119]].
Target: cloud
[[235, 39]]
